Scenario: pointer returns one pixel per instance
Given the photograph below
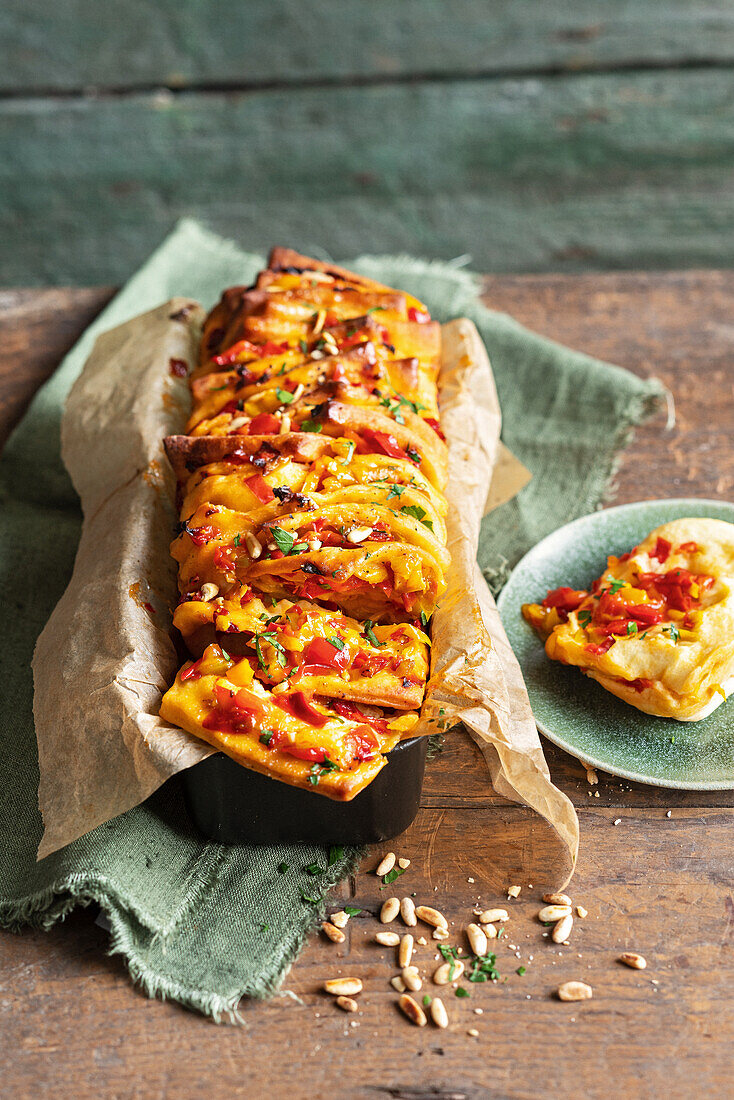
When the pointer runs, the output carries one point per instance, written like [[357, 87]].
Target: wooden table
[[657, 884]]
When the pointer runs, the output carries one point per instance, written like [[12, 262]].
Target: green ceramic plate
[[577, 713]]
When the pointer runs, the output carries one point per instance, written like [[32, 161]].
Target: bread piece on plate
[[657, 627]]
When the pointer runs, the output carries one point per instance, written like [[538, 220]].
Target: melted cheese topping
[[309, 571]]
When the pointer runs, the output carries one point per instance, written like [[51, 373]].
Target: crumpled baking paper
[[105, 657]]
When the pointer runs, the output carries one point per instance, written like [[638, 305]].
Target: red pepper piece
[[298, 705], [259, 487], [435, 425], [264, 424], [566, 599], [320, 654], [640, 684], [616, 626], [362, 744], [231, 355], [382, 443], [264, 351], [178, 368], [646, 613], [418, 315], [301, 752], [689, 547], [599, 650], [662, 550]]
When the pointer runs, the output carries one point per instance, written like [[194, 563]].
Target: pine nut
[[449, 971], [407, 912], [489, 931], [390, 910], [429, 915], [439, 1014], [513, 891], [335, 934], [298, 392], [319, 323], [285, 424], [340, 919], [405, 954], [440, 933], [343, 987], [387, 939], [238, 422], [477, 939], [254, 549], [347, 1004], [411, 977], [358, 534], [562, 930], [581, 912], [209, 591], [490, 916], [473, 1032], [631, 958], [575, 991], [314, 544], [398, 983], [386, 864], [403, 863], [554, 912], [412, 1010], [557, 899]]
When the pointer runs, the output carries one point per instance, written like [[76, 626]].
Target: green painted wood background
[[530, 134]]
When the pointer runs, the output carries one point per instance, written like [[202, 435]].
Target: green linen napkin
[[197, 922]]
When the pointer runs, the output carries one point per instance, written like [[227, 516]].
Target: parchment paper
[[105, 657]]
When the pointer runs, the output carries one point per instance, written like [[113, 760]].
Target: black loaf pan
[[235, 805]]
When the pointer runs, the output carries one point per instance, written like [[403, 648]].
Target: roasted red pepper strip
[[259, 487], [264, 424], [565, 599], [322, 655], [298, 705], [662, 550]]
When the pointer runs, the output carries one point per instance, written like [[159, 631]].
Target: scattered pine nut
[[489, 931], [403, 864], [398, 983], [448, 972], [422, 941], [347, 1004], [477, 939], [407, 912], [340, 919], [389, 911], [473, 1032], [554, 912], [411, 977], [439, 1014], [335, 934], [405, 951], [574, 991], [490, 916], [581, 912], [513, 891], [632, 959], [346, 987], [412, 1010], [429, 915], [209, 591], [386, 864], [254, 548], [387, 939], [562, 929], [440, 933], [557, 899]]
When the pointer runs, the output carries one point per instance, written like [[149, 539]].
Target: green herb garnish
[[336, 852], [307, 897], [521, 970], [461, 992], [418, 513], [310, 426], [317, 770], [336, 642], [266, 737], [351, 910], [313, 869], [284, 396], [370, 635], [616, 585]]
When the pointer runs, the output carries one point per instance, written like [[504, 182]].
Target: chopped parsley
[[317, 770], [418, 513], [396, 491], [370, 635], [351, 445], [424, 619], [266, 737], [484, 969], [308, 897], [392, 875], [303, 346], [236, 539], [673, 631], [584, 617], [426, 1000], [412, 454], [310, 426], [280, 655], [461, 992], [631, 628], [282, 539], [284, 396], [351, 910], [521, 970], [336, 852], [616, 585], [313, 869], [336, 642]]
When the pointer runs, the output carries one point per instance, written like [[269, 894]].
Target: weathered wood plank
[[607, 171], [649, 885], [131, 43]]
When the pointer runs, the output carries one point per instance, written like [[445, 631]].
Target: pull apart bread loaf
[[657, 628], [312, 545]]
